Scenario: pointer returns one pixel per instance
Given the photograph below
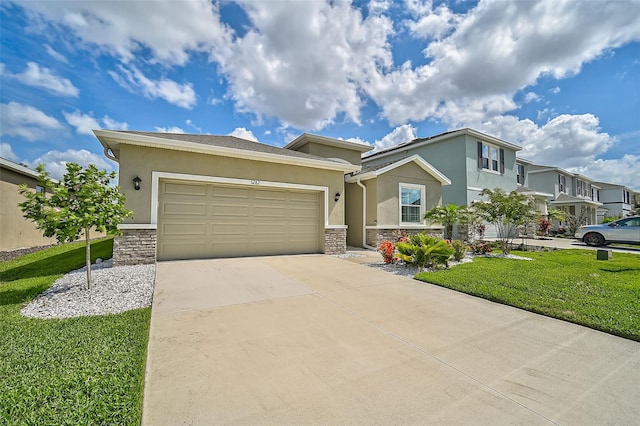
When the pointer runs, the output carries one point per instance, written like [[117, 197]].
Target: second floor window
[[562, 183], [490, 157], [520, 173]]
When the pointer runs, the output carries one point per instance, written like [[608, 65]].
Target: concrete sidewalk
[[571, 243], [319, 340]]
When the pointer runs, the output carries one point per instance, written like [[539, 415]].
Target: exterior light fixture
[[136, 183], [337, 196]]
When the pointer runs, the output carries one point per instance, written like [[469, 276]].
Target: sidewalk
[[570, 243]]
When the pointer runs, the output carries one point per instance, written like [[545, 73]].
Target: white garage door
[[201, 220]]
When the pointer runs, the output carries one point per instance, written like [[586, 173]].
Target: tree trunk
[[88, 257]]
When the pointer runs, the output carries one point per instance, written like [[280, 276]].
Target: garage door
[[200, 220]]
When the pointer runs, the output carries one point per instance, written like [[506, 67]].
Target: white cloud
[[56, 161], [55, 54], [400, 134], [7, 152], [44, 78], [430, 23], [171, 30], [111, 124], [241, 132], [305, 71], [530, 97], [26, 121], [555, 90], [172, 129], [495, 51], [134, 80], [86, 123], [623, 171]]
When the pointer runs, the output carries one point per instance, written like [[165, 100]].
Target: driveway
[[320, 340]]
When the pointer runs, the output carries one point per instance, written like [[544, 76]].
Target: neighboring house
[[387, 199], [570, 192], [617, 200], [203, 196], [472, 161], [16, 232], [522, 179]]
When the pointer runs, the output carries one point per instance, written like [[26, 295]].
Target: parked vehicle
[[626, 230]]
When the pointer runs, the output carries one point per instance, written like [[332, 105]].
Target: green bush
[[425, 251], [460, 249]]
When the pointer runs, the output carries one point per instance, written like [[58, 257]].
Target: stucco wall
[[353, 214], [16, 231], [142, 161], [388, 192], [328, 151], [545, 182], [482, 178]]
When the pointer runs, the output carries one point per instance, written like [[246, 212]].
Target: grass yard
[[86, 370], [566, 284]]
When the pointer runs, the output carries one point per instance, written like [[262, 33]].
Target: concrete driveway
[[320, 340]]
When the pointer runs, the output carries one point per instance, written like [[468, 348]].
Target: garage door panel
[[173, 208], [185, 190], [239, 221], [177, 229]]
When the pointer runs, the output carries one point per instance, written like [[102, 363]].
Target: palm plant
[[445, 215]]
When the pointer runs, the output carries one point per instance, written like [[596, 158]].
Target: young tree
[[82, 200], [446, 215], [506, 211]]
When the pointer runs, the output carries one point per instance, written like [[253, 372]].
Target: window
[[561, 183], [39, 188], [520, 173], [490, 157], [626, 197], [579, 187], [411, 203]]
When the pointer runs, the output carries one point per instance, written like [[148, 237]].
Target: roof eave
[[111, 139]]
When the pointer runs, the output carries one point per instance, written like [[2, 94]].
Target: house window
[[412, 203], [627, 198], [39, 188], [520, 173], [579, 187], [562, 183], [490, 157]]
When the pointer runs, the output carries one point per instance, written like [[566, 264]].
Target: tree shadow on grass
[[57, 264], [13, 297]]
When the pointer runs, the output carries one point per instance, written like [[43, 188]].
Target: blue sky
[[560, 78]]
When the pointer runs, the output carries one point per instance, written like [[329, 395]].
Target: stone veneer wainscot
[[135, 247], [335, 240]]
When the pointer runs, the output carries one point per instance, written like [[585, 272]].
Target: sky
[[559, 78]]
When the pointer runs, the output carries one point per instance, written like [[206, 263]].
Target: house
[[472, 161], [386, 200], [203, 196], [573, 193], [16, 232], [617, 200]]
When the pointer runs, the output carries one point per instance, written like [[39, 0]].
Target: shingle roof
[[228, 142]]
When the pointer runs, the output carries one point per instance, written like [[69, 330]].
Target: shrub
[[481, 247], [460, 249], [386, 249], [425, 251], [544, 225]]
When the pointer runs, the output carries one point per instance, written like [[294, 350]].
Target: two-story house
[[617, 200], [470, 160], [573, 193]]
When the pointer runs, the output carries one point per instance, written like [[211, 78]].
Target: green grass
[[86, 370], [566, 284]]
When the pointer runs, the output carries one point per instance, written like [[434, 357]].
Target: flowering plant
[[481, 247], [386, 249]]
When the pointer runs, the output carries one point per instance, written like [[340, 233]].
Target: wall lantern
[[136, 183], [337, 196]]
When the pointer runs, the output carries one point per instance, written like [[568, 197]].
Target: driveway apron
[[315, 339]]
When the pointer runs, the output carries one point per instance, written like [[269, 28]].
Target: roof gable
[[375, 171]]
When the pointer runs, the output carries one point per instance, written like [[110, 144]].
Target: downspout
[[364, 216], [109, 154]]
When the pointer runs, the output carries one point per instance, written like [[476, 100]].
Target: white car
[[626, 230]]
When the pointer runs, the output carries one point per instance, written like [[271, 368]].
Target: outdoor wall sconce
[[136, 183], [337, 197]]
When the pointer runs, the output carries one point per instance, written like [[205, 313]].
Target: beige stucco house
[[389, 199], [203, 196], [15, 231]]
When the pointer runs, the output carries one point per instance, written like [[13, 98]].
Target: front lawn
[[566, 284], [86, 370]]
